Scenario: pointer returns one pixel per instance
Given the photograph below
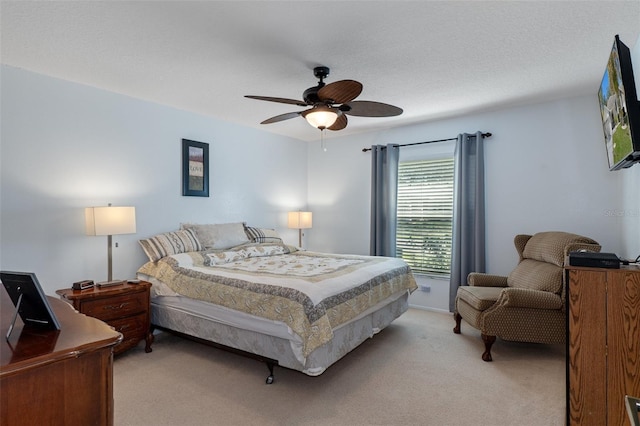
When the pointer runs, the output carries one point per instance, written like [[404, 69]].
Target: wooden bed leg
[[270, 367], [148, 342], [458, 318], [149, 339]]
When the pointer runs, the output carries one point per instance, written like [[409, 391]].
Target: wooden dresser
[[125, 307], [603, 344], [57, 377]]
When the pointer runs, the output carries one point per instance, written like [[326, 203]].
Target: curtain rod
[[486, 135]]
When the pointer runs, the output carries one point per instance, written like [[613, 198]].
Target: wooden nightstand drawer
[[133, 330], [131, 326], [116, 307]]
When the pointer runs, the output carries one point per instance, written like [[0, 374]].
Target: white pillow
[[219, 236]]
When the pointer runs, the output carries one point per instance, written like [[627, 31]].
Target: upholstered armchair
[[529, 304]]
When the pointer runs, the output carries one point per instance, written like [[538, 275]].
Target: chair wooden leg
[[488, 342], [458, 318]]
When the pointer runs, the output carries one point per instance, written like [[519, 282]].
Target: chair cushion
[[527, 298], [536, 275], [479, 298], [549, 246]]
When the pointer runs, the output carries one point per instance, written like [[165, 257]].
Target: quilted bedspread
[[311, 292]]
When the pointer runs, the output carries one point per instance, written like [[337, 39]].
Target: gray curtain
[[468, 248], [384, 194]]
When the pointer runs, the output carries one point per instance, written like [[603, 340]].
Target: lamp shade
[[110, 220], [300, 220], [321, 117]]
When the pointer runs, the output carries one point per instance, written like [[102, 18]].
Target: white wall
[[66, 147], [546, 169], [630, 213]]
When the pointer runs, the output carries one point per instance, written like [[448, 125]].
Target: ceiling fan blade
[[279, 100], [340, 123], [340, 92], [281, 117], [370, 109]]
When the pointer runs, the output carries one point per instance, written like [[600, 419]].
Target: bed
[[292, 308]]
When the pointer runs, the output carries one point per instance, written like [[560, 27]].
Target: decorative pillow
[[219, 236], [262, 235], [169, 243]]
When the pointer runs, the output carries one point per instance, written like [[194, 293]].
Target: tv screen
[[620, 109]]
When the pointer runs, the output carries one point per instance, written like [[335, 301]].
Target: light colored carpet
[[415, 372]]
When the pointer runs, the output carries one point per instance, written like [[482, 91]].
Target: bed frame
[[271, 363]]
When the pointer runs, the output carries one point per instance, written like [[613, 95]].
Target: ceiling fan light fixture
[[321, 117]]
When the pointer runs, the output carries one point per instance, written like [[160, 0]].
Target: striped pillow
[[262, 235], [169, 243], [218, 236]]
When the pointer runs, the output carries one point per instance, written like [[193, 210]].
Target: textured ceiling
[[433, 59]]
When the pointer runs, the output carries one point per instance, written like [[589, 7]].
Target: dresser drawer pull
[[115, 308]]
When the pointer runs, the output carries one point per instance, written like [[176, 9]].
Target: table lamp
[[110, 221], [300, 221]]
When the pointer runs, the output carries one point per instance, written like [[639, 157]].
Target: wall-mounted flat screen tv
[[620, 109]]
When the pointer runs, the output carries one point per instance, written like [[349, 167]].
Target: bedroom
[[67, 146], [86, 146]]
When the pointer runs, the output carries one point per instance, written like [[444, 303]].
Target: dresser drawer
[[116, 307]]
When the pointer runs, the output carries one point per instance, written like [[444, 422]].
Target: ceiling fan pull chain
[[323, 144]]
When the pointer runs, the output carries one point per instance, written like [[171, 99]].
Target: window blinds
[[425, 210]]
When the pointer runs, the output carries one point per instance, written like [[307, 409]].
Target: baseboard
[[429, 308]]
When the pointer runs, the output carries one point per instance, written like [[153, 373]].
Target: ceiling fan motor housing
[[310, 95]]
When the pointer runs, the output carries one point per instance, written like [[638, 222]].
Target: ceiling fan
[[330, 104]]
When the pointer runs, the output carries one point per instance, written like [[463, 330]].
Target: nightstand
[[125, 307]]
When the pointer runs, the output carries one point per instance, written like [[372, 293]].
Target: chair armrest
[[479, 279], [527, 298]]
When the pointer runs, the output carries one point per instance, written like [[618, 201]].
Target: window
[[425, 211]]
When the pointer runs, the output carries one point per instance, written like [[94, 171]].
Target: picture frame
[[195, 168], [30, 301]]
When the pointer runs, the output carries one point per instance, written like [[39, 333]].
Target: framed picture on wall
[[195, 168]]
